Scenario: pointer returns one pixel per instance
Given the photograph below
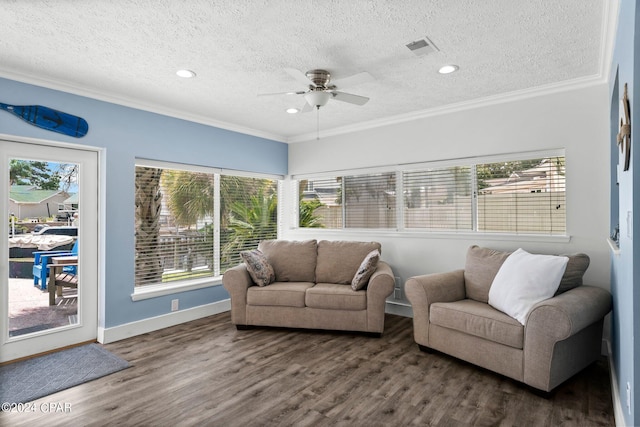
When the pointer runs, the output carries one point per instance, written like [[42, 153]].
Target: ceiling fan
[[320, 88]]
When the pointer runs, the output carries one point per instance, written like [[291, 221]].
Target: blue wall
[[626, 317], [127, 134]]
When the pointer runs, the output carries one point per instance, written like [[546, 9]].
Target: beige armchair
[[561, 335]]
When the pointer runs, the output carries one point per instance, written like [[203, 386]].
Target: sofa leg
[[243, 327], [425, 348]]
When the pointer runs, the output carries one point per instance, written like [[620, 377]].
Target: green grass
[[171, 277]]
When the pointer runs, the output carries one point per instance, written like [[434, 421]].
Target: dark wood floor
[[206, 373]]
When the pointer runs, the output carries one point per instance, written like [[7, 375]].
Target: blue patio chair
[[42, 258]]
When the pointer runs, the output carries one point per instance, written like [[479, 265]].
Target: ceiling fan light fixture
[[448, 69], [185, 74], [317, 98]]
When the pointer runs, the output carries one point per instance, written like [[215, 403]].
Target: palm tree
[[190, 196], [148, 201], [249, 221]]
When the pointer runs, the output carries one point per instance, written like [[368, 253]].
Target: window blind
[[370, 200], [320, 203], [438, 199], [174, 225], [524, 196], [249, 214], [193, 224]]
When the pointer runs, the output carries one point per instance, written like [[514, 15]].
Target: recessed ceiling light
[[292, 110], [447, 69], [187, 74]]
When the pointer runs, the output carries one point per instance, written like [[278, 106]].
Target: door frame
[[13, 348]]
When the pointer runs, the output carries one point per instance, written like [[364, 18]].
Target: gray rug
[[32, 379]]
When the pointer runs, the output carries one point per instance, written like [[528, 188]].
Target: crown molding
[[136, 104], [457, 107], [610, 12]]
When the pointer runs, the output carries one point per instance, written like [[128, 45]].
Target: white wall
[[576, 120]]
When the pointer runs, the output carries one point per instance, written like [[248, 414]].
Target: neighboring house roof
[[72, 199], [29, 194], [541, 178]]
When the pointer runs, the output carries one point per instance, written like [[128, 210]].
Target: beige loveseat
[[561, 335], [312, 288]]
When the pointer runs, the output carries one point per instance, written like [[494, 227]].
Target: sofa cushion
[[524, 280], [292, 261], [482, 265], [258, 267], [478, 319], [338, 261], [480, 269], [286, 294], [366, 270], [333, 296], [572, 277]]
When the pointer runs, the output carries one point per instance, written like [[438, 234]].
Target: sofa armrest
[[422, 291], [380, 286], [438, 287], [576, 316], [236, 281]]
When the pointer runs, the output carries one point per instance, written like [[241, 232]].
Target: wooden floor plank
[[206, 372]]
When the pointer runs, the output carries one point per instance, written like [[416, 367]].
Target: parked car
[[39, 227], [62, 230]]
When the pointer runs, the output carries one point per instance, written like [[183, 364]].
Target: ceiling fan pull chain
[[318, 122]]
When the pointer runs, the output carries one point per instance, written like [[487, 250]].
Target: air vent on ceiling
[[422, 47]]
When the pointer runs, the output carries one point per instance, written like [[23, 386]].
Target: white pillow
[[524, 280]]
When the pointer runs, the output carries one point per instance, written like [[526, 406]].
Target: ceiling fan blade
[[300, 92], [299, 76], [350, 98], [353, 80]]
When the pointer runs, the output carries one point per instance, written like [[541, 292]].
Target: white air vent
[[422, 47]]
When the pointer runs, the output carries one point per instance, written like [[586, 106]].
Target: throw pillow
[[366, 269], [524, 280], [258, 267]]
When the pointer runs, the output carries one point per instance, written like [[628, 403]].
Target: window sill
[[615, 249], [154, 291], [419, 234]]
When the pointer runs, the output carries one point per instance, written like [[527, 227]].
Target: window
[[521, 196], [438, 199], [191, 223], [354, 201]]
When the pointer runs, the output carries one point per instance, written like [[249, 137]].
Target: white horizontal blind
[[320, 203], [355, 201], [186, 229], [438, 199], [174, 225], [249, 214], [524, 196], [370, 200]]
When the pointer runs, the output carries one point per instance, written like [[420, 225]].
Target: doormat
[[31, 379]]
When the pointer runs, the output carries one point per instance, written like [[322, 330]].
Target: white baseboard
[[399, 309], [120, 332], [618, 408]]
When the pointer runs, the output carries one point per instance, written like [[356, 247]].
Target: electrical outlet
[[174, 304]]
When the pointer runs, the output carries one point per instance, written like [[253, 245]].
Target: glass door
[[49, 280]]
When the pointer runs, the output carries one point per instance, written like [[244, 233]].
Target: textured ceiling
[[128, 51]]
